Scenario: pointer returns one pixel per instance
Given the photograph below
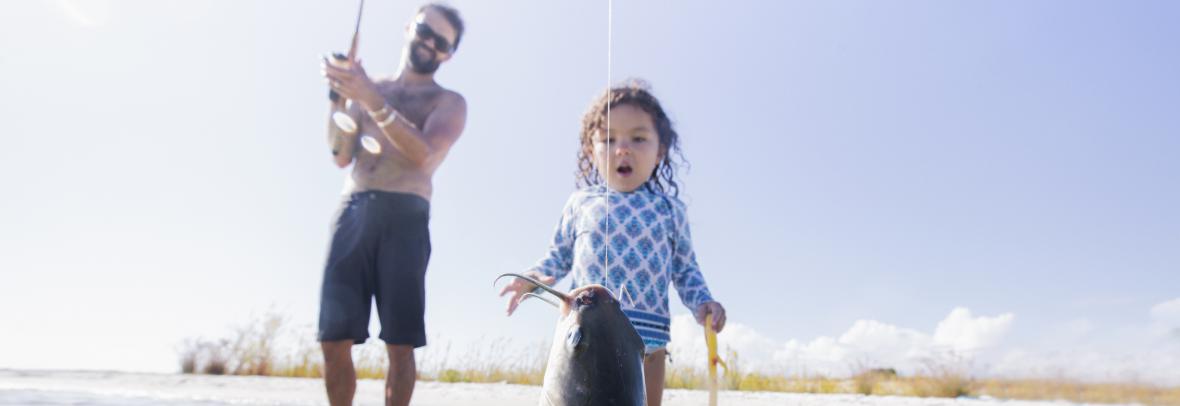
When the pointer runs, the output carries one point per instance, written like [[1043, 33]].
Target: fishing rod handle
[[332, 95]]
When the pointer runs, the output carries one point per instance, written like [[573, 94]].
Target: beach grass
[[254, 349]]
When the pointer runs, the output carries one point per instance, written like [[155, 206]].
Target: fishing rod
[[341, 118]]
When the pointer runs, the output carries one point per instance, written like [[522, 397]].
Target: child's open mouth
[[624, 170]]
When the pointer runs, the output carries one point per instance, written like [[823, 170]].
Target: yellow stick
[[714, 359]]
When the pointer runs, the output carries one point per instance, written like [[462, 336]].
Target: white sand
[[120, 388]]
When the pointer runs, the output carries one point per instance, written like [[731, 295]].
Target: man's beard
[[420, 65]]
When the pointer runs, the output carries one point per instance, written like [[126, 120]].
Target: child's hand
[[716, 310], [519, 287]]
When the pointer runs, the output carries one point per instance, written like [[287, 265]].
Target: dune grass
[[254, 349], [1053, 389]]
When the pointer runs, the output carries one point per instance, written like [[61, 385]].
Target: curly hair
[[635, 92]]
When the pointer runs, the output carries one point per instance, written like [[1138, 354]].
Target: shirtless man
[[380, 237]]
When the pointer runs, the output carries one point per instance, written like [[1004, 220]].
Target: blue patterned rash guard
[[633, 243]]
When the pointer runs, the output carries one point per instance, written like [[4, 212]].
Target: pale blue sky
[[165, 172]]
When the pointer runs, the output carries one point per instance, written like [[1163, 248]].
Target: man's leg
[[402, 258], [399, 382], [653, 376], [339, 376]]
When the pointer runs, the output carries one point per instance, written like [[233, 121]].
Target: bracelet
[[388, 120], [385, 109]]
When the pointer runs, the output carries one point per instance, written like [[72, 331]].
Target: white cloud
[[963, 333], [1165, 321], [1134, 352], [688, 344], [1077, 348], [1167, 312], [1157, 365], [866, 344], [876, 337]]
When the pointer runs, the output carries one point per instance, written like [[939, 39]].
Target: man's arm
[[342, 144], [426, 147]]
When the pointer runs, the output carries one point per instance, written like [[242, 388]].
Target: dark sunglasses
[[441, 44]]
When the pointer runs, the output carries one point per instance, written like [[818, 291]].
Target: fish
[[596, 357]]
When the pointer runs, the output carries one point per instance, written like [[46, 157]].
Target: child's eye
[[638, 139]]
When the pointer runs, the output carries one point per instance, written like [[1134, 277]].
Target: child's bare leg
[[653, 376]]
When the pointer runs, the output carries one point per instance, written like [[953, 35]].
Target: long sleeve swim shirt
[[633, 243]]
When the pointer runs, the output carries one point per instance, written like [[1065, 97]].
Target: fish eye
[[586, 298], [573, 337]]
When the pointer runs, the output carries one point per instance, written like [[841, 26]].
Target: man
[[380, 239]]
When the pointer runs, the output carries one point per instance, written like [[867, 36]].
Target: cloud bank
[[962, 340]]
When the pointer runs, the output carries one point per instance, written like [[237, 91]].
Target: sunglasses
[[423, 32]]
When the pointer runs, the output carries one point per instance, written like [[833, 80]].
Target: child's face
[[633, 150]]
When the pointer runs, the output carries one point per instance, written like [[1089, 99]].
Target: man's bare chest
[[414, 105]]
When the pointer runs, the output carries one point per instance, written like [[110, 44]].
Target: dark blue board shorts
[[380, 248]]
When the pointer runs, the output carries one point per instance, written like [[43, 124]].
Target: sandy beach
[[18, 387]]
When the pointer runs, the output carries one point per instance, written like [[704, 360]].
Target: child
[[625, 229]]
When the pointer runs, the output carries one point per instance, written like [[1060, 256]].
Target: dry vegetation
[[253, 350]]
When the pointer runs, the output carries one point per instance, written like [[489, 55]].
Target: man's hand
[[519, 287], [351, 82], [716, 310]]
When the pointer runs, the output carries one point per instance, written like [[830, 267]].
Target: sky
[[870, 182]]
